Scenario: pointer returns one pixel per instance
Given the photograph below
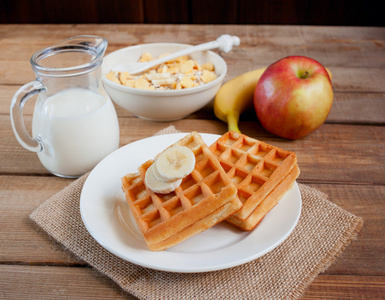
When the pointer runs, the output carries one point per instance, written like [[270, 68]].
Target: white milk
[[78, 129]]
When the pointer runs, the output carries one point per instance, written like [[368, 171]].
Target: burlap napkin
[[322, 233]]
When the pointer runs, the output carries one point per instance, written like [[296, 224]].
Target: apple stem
[[304, 75], [232, 121]]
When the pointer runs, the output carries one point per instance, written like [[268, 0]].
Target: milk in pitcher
[[78, 129]]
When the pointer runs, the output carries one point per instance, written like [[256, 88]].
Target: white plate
[[106, 216]]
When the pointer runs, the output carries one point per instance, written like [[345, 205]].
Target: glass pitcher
[[74, 123]]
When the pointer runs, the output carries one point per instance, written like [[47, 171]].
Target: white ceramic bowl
[[162, 105]]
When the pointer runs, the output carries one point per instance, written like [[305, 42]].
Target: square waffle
[[205, 197], [261, 172]]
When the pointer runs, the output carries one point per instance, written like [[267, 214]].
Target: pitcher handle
[[17, 104]]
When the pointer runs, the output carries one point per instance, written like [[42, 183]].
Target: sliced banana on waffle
[[158, 186], [168, 170], [174, 163]]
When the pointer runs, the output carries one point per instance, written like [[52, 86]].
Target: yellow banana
[[236, 96]]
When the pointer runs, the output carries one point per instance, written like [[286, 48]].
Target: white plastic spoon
[[225, 43]]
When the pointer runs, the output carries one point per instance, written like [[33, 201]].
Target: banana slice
[[174, 163], [159, 186]]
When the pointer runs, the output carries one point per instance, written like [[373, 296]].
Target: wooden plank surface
[[56, 283], [345, 158], [346, 288], [333, 139], [284, 12], [22, 242], [76, 283], [260, 45], [348, 107]]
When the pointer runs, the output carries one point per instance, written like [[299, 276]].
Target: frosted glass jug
[[74, 124]]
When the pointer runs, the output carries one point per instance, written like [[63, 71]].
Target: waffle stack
[[205, 197], [261, 172]]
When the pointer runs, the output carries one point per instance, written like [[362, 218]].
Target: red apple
[[293, 97]]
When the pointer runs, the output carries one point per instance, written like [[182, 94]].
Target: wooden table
[[345, 158]]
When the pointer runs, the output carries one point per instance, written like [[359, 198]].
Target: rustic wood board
[[35, 247], [332, 139]]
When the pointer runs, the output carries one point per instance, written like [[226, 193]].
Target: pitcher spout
[[80, 54]]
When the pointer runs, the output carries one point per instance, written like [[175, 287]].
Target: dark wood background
[[287, 12]]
